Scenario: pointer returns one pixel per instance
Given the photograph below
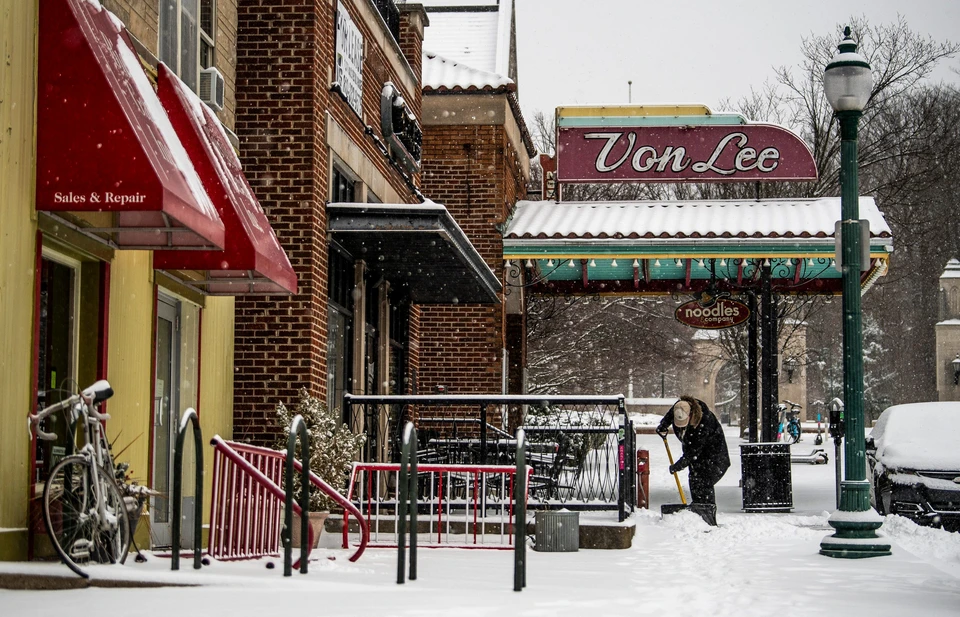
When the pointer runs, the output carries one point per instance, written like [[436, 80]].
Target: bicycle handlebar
[[34, 419], [88, 399], [101, 417]]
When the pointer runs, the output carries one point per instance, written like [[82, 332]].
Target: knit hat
[[681, 414]]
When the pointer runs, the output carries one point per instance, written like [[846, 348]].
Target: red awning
[[252, 260], [104, 143]]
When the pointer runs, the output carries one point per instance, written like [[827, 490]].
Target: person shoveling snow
[[704, 452]]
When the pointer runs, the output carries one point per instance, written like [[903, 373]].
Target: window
[[342, 187], [186, 37], [340, 290]]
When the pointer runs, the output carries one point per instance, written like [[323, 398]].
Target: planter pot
[[316, 521]]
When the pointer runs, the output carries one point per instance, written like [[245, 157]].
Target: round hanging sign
[[724, 313]]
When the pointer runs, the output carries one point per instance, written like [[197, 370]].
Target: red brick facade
[[285, 66], [474, 171]]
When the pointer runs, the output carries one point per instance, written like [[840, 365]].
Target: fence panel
[[458, 505], [245, 516], [576, 444]]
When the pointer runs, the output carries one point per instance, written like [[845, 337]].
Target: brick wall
[[474, 172], [285, 56], [281, 342]]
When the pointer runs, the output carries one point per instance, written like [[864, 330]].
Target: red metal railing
[[464, 505], [247, 499]]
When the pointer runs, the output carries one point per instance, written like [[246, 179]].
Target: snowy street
[[753, 564]]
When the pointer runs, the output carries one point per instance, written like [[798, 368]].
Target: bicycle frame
[[85, 405], [789, 421]]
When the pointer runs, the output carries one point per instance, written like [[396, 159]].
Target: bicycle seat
[[99, 391]]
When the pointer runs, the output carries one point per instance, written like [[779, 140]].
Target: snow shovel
[[706, 511], [671, 508]]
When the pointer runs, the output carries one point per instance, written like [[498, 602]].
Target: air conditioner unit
[[211, 88]]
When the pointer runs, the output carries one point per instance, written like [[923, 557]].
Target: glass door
[[165, 403]]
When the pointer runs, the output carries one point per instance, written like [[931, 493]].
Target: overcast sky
[[578, 52]]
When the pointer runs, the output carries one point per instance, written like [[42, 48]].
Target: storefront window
[[340, 288]]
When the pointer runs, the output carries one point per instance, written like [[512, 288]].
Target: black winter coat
[[704, 447]]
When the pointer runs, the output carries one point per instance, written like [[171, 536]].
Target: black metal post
[[768, 358], [298, 428], [520, 524], [407, 503], [483, 434], [752, 383], [191, 416], [403, 489], [622, 463]]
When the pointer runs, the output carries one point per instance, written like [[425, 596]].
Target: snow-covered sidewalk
[[753, 564]]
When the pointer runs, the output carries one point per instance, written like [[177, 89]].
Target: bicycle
[[789, 429], [84, 511]]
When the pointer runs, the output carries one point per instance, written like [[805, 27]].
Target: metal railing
[[580, 447], [247, 495]]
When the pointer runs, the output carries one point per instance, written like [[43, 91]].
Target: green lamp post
[[847, 83]]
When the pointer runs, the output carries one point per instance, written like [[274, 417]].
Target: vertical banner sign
[[349, 65]]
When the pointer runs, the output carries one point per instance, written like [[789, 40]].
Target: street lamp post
[[847, 83]]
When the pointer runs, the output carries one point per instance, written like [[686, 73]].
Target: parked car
[[914, 457]]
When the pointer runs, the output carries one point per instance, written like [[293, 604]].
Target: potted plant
[[333, 448]]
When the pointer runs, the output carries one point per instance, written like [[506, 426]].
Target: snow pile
[[914, 436]]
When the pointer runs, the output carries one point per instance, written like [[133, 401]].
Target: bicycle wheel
[[793, 432], [72, 517]]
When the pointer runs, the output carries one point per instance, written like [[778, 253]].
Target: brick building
[[477, 153], [329, 118]]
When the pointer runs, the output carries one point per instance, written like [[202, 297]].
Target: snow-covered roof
[[768, 218], [952, 270], [475, 33], [442, 74]]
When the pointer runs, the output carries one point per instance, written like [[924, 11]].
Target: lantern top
[[847, 80]]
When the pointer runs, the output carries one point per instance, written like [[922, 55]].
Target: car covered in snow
[[914, 457]]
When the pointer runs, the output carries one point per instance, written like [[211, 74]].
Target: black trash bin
[[766, 477]]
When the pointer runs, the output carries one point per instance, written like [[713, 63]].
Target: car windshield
[[919, 436]]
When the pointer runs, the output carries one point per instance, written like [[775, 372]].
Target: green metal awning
[[670, 247]]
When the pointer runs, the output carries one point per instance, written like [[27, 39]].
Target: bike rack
[[190, 415], [298, 428], [520, 523], [407, 505]]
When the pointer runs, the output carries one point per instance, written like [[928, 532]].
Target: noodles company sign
[[723, 313]]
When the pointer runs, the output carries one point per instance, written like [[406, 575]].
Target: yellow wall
[[216, 382], [18, 19], [129, 359]]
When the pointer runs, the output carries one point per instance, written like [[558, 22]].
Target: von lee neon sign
[[682, 154]]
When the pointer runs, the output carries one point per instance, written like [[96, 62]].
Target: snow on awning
[[252, 260], [104, 143], [419, 248], [768, 219], [444, 75], [669, 246]]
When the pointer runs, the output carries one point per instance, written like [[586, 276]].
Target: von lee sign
[[724, 313], [682, 154]]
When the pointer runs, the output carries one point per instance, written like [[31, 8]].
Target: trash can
[[557, 531], [766, 477]]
